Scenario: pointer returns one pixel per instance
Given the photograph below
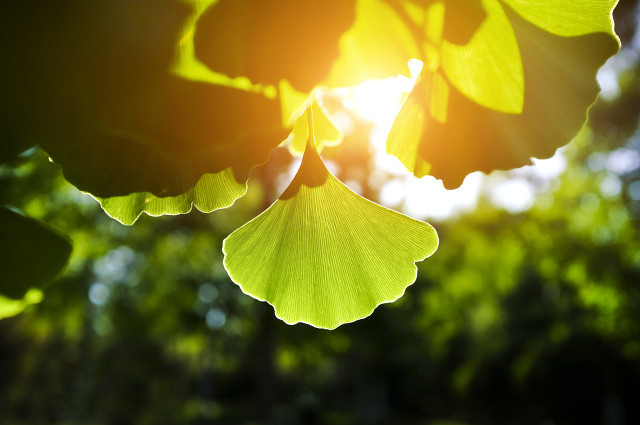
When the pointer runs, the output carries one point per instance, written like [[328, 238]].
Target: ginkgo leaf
[[193, 129], [269, 41], [187, 65], [26, 264], [560, 85], [212, 192], [322, 254], [378, 45], [567, 18], [405, 137], [97, 89], [488, 69]]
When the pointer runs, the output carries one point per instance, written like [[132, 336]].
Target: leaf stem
[[310, 129]]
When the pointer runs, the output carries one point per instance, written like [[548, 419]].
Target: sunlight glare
[[378, 101], [514, 195]]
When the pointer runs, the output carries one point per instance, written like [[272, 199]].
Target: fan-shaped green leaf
[[323, 255], [560, 85], [488, 69]]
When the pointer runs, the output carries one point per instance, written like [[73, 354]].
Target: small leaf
[[327, 134], [212, 192], [30, 253], [322, 254]]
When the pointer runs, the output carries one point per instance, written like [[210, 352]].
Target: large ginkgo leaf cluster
[[159, 106]]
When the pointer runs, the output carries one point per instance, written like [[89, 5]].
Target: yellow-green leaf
[[322, 254], [212, 192], [559, 87], [378, 45], [567, 18], [488, 69], [327, 134]]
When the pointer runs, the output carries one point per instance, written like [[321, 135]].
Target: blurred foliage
[[529, 318]]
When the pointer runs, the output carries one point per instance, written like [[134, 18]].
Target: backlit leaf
[[378, 45], [567, 18], [488, 69], [322, 254], [559, 87], [212, 192], [327, 134]]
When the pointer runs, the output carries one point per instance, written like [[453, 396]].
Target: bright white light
[[623, 160], [552, 167], [515, 195], [379, 101], [608, 81], [283, 180], [392, 193], [428, 199]]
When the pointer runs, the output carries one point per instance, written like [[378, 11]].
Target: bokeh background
[[529, 312]]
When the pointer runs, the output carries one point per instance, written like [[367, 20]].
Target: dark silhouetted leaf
[[92, 83], [268, 41], [462, 18], [30, 254]]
